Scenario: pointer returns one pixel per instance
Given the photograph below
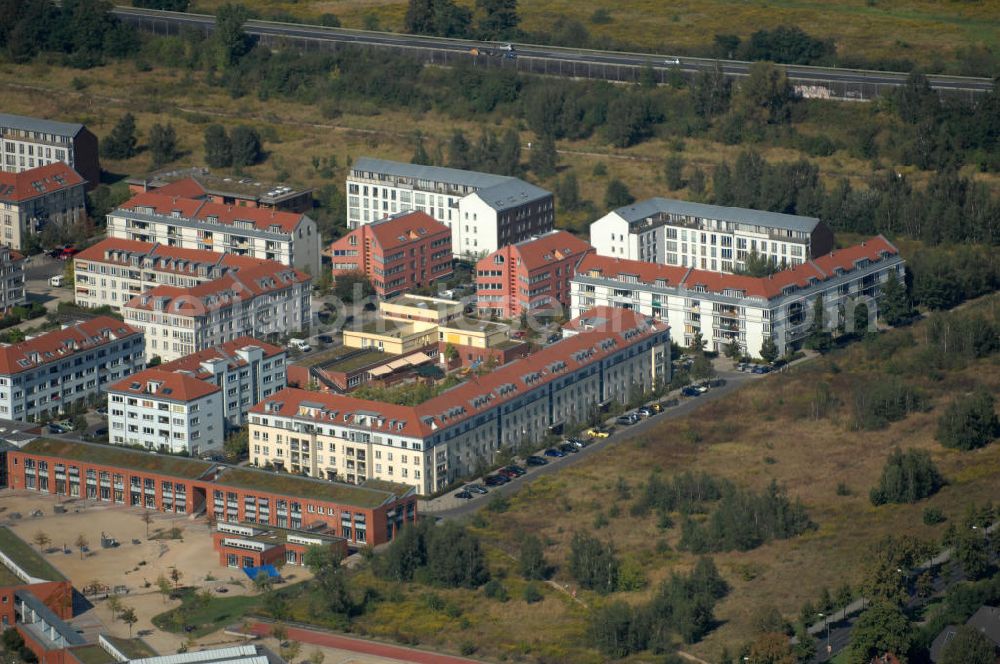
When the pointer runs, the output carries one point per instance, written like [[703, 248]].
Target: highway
[[552, 60]]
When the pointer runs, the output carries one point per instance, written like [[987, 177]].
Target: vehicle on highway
[[516, 469], [464, 495], [690, 392], [476, 488], [495, 480], [55, 428], [569, 448], [553, 452], [300, 345], [597, 432], [536, 461], [672, 61]]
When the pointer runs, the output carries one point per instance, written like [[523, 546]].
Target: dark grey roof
[[651, 206], [512, 193], [452, 176], [943, 638], [987, 621], [63, 629], [39, 124]]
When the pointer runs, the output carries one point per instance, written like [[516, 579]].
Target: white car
[[300, 344], [672, 61]]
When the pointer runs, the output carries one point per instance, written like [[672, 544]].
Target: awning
[[380, 371]]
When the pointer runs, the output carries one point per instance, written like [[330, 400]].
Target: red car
[[68, 252]]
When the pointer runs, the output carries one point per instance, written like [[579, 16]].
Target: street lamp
[[827, 621]]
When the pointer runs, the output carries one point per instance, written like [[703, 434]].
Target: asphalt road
[[798, 74], [449, 507]]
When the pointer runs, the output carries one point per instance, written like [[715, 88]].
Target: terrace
[[361, 360]]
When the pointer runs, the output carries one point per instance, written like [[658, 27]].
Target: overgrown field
[[923, 31]]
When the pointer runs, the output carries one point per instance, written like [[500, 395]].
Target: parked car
[[464, 495], [597, 432], [517, 334], [646, 411], [102, 410], [536, 461], [516, 469], [577, 442], [68, 253], [102, 431], [325, 339], [701, 388], [495, 480], [554, 338], [476, 488], [761, 370], [508, 473], [669, 403], [300, 345], [628, 419], [553, 452], [569, 448], [55, 428], [56, 280], [690, 392]]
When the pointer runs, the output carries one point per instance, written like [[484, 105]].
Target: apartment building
[[266, 300], [245, 370], [483, 211], [201, 183], [707, 237], [725, 308], [166, 412], [290, 238], [31, 142], [530, 275], [432, 444], [30, 199], [370, 514], [11, 278], [113, 271], [409, 307], [399, 253], [49, 373]]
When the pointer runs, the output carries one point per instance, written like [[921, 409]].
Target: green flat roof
[[92, 654], [396, 488], [363, 360], [131, 648], [388, 328], [8, 578], [26, 558], [466, 324], [320, 359], [303, 487], [508, 343], [120, 457]]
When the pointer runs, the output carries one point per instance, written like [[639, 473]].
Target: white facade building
[[49, 373], [290, 238], [166, 411], [27, 143], [613, 354], [11, 278], [707, 237], [484, 211], [724, 308], [246, 371], [262, 301]]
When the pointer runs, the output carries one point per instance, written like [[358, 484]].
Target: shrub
[[496, 590], [531, 593], [969, 422], [906, 478], [933, 516]]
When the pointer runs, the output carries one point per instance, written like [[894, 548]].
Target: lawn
[[924, 31], [205, 616]]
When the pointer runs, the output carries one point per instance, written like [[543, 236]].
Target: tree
[[147, 518], [906, 478], [594, 565], [229, 39], [697, 343], [420, 155], [508, 158], [764, 97], [894, 302], [129, 618], [532, 562], [733, 350], [968, 646], [459, 152], [353, 287], [772, 648], [81, 543], [238, 442], [890, 562], [701, 368], [769, 350], [454, 557], [972, 552], [162, 144], [617, 195], [175, 576], [499, 19], [673, 172], [316, 657], [121, 142], [881, 629], [263, 582], [544, 159], [245, 146], [567, 192], [218, 148], [163, 585], [711, 92], [114, 605], [279, 632], [167, 5], [969, 422], [41, 540], [450, 353], [325, 564], [819, 338]]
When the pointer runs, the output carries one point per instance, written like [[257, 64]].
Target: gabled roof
[[186, 188], [191, 209], [511, 193], [770, 287], [401, 229], [35, 182], [226, 352], [58, 344], [165, 258], [548, 248], [622, 329], [26, 123], [163, 204], [987, 621], [651, 206], [163, 384], [452, 176]]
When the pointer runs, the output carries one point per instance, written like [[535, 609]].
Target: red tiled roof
[[59, 344], [164, 253], [186, 188], [162, 204], [769, 287], [297, 376], [252, 281], [189, 208], [225, 351], [477, 394], [551, 247], [162, 384], [23, 186], [401, 229]]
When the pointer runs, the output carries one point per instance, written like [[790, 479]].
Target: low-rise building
[[11, 278], [24, 569], [166, 412], [409, 307], [290, 238], [529, 276], [483, 211], [262, 301], [392, 337], [245, 370], [398, 253], [32, 142], [50, 373], [432, 444], [707, 237], [470, 342], [247, 545], [726, 308], [30, 199], [370, 514], [201, 183]]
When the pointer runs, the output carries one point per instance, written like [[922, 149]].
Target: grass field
[[919, 30]]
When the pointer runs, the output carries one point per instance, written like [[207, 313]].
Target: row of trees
[[123, 142], [448, 556], [495, 19]]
